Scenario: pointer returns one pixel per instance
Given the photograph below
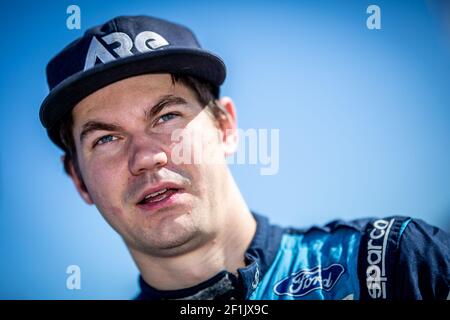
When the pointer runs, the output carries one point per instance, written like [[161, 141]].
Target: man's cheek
[[180, 149], [195, 146], [103, 183]]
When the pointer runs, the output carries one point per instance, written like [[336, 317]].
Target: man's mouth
[[158, 196]]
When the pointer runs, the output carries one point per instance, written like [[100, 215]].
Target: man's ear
[[77, 181], [228, 126]]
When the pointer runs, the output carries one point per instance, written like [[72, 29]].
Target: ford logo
[[304, 281]]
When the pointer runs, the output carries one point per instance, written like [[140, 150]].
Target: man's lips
[[158, 200], [158, 192]]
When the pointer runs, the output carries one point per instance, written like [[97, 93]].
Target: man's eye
[[166, 117], [105, 139]]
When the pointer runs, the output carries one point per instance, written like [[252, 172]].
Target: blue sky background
[[364, 119]]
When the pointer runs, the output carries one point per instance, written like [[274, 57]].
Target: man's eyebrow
[[92, 126], [164, 101]]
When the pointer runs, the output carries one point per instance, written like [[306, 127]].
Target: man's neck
[[225, 252]]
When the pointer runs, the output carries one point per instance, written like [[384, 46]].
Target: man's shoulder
[[360, 225], [390, 229], [398, 232], [369, 258]]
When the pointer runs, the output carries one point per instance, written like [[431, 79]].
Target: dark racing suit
[[390, 258]]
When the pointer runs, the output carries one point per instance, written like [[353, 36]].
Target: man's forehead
[[129, 94]]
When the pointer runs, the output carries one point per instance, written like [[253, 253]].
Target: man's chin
[[167, 248], [168, 239]]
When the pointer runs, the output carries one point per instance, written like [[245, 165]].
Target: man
[[124, 98]]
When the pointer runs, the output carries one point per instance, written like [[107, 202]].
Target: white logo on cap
[[144, 42]]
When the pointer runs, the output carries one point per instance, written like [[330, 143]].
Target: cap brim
[[63, 98]]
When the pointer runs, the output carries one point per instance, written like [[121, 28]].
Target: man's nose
[[146, 155]]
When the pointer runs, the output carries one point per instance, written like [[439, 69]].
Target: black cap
[[123, 47]]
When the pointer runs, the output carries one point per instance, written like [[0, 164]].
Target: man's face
[[126, 135]]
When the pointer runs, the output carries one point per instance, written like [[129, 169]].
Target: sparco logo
[[303, 282], [376, 251], [122, 45]]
